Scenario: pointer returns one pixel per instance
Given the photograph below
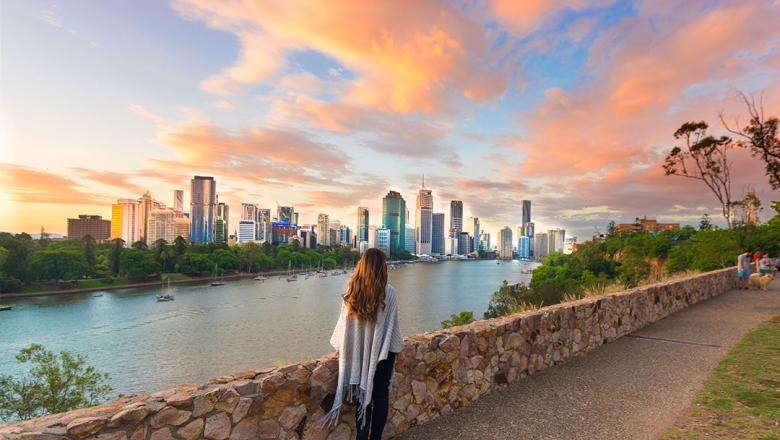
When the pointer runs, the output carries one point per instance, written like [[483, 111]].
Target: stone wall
[[436, 373]]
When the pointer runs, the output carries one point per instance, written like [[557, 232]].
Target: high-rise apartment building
[[203, 201], [505, 243], [92, 225], [345, 235], [437, 234], [248, 211], [362, 224], [128, 214], [540, 245], [394, 219], [182, 228], [456, 225], [323, 230], [162, 225], [527, 230], [423, 230]]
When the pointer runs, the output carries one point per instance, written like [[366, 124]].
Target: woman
[[367, 337]]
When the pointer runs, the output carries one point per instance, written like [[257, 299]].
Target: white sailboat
[[291, 276], [218, 281], [166, 295]]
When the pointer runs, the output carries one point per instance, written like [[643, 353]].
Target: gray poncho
[[361, 347]]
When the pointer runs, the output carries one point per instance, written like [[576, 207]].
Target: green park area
[[741, 399]]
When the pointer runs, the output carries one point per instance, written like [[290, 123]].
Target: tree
[[57, 264], [53, 384], [138, 264], [760, 136], [506, 300], [611, 228], [116, 254], [703, 158], [746, 210], [461, 318], [160, 249], [705, 224], [179, 245], [140, 244], [194, 263], [88, 244]]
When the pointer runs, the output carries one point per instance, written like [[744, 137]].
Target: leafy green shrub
[[461, 318], [53, 384]]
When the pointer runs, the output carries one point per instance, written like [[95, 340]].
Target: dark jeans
[[376, 412]]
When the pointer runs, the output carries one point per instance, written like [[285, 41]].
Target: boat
[[291, 276], [97, 295], [218, 281], [260, 278], [5, 307], [166, 295]]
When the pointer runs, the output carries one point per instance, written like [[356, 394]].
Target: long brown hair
[[366, 289]]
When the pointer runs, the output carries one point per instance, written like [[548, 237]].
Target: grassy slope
[[741, 399]]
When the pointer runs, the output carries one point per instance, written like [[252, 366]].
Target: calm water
[[209, 331]]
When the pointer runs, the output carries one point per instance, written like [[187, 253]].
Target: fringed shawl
[[361, 347]]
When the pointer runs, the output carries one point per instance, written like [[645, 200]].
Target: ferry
[[5, 307]]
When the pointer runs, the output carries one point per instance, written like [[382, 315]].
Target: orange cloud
[[407, 56], [31, 185]]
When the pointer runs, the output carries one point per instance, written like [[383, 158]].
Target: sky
[[326, 106]]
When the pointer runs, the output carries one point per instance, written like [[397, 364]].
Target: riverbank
[[190, 280]]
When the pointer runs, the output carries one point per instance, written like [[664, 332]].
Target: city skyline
[[494, 101]]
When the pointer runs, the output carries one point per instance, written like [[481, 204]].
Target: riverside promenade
[[632, 388]]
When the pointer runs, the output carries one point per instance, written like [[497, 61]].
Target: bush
[[53, 384], [461, 318], [11, 285]]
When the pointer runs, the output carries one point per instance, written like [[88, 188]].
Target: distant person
[[756, 259], [367, 337], [743, 270], [766, 265]]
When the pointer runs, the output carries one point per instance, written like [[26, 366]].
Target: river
[[207, 331]]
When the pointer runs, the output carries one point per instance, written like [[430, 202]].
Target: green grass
[[741, 399], [100, 282], [31, 289]]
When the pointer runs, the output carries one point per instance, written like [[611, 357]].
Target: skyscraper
[[129, 214], [528, 231], [221, 227], [162, 225], [178, 202], [472, 227], [524, 247], [409, 242], [203, 199], [555, 240], [423, 221], [147, 204], [505, 243], [394, 219], [456, 224], [323, 230], [437, 234], [264, 224], [247, 229], [362, 224], [540, 245], [526, 211]]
